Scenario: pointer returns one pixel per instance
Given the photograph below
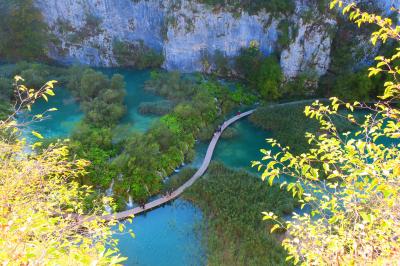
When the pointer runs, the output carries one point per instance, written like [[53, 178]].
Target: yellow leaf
[[51, 83], [276, 226], [18, 78], [50, 92], [37, 134]]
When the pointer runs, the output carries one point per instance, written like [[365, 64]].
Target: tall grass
[[232, 202]]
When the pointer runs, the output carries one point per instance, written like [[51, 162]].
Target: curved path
[[203, 168]]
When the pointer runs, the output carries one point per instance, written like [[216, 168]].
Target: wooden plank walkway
[[203, 168]]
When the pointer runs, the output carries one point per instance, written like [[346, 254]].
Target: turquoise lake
[[58, 124], [61, 123], [136, 95], [168, 235]]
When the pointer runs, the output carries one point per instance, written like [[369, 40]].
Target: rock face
[[86, 29], [199, 30], [84, 32], [310, 50]]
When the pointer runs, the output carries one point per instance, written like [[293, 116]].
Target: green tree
[[23, 34], [92, 83], [269, 79], [350, 180], [101, 98], [221, 63], [352, 86], [262, 74], [136, 55], [247, 63]]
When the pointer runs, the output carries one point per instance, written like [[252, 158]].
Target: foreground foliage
[[40, 198], [232, 202], [350, 181]]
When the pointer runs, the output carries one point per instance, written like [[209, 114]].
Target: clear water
[[60, 123], [239, 151], [135, 96], [165, 236]]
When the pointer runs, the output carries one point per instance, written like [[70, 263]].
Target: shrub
[[276, 7], [136, 55], [284, 34], [221, 62], [353, 86], [247, 64], [171, 85], [269, 78], [23, 34], [86, 136], [304, 85], [155, 108], [101, 98], [175, 181], [262, 74]]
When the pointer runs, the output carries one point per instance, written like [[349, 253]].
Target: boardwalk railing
[[203, 168]]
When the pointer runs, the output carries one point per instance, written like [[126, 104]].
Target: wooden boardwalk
[[203, 168]]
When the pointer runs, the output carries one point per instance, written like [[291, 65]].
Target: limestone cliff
[[84, 31]]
